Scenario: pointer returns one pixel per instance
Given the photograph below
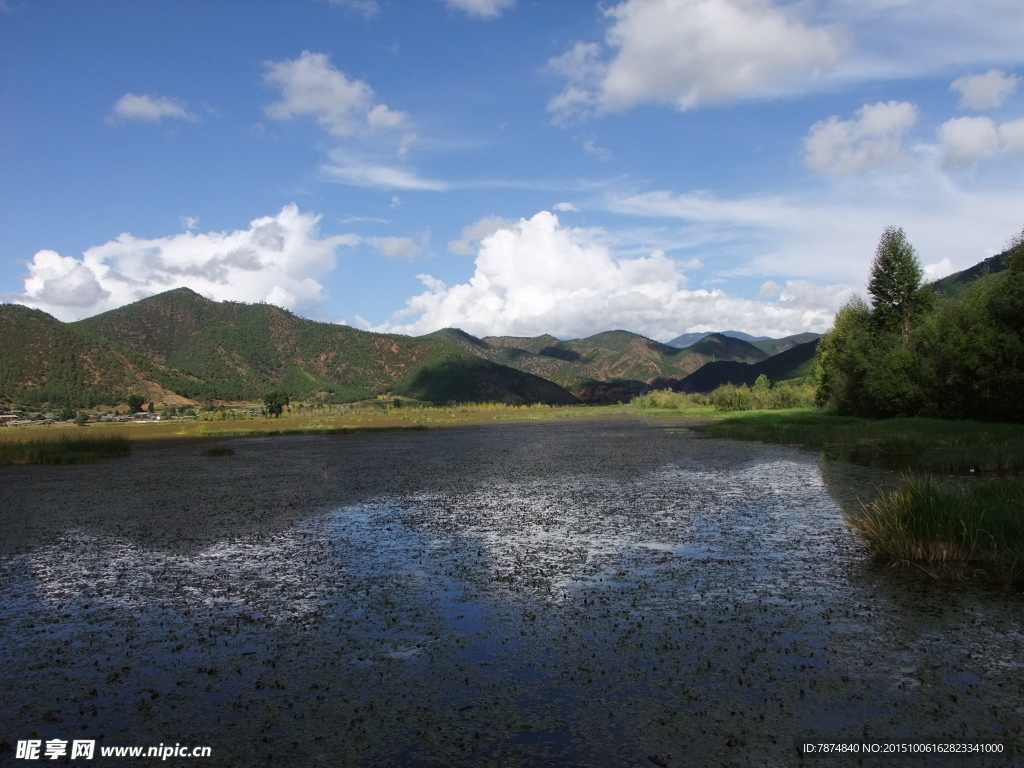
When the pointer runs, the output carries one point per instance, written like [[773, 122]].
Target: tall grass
[[947, 532], [63, 450]]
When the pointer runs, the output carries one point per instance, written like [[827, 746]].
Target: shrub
[[666, 398], [730, 398]]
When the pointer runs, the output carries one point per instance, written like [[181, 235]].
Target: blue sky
[[503, 166]]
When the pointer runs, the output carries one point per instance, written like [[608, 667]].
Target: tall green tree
[[895, 284]]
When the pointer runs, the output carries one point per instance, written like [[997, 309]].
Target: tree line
[[912, 352]]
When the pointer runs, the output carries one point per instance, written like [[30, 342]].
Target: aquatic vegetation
[[219, 450], [63, 449], [573, 593]]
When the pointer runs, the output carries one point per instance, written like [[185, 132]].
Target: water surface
[[602, 594]]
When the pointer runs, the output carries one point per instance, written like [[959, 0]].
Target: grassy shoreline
[[358, 420], [916, 445], [949, 530]]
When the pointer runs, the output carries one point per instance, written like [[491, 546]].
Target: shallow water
[[599, 594]]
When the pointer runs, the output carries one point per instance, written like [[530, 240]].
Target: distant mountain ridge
[[689, 339], [765, 343], [793, 363], [180, 347], [605, 367]]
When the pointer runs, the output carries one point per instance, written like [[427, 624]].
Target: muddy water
[[594, 594]]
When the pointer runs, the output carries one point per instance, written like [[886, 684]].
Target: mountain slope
[[689, 339], [775, 346], [794, 363], [953, 285], [179, 342], [43, 360], [718, 346], [606, 367]]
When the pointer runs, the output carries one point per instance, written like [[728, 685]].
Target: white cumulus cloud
[[149, 109], [938, 270], [692, 52], [278, 259], [873, 138], [966, 140], [310, 86], [536, 276], [986, 91], [1012, 136], [484, 9]]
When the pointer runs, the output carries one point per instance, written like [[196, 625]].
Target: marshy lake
[[607, 593]]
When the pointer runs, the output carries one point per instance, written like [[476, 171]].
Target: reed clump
[[950, 532], [219, 450], [63, 450]]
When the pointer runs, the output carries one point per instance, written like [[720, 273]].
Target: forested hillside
[[43, 360], [179, 343]]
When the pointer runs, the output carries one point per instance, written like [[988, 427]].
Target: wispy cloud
[[831, 236], [149, 108], [366, 8], [358, 173], [483, 9]]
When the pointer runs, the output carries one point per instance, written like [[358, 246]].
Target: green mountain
[[792, 357], [43, 360], [718, 346], [794, 363], [775, 346], [688, 339], [607, 367], [179, 344]]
